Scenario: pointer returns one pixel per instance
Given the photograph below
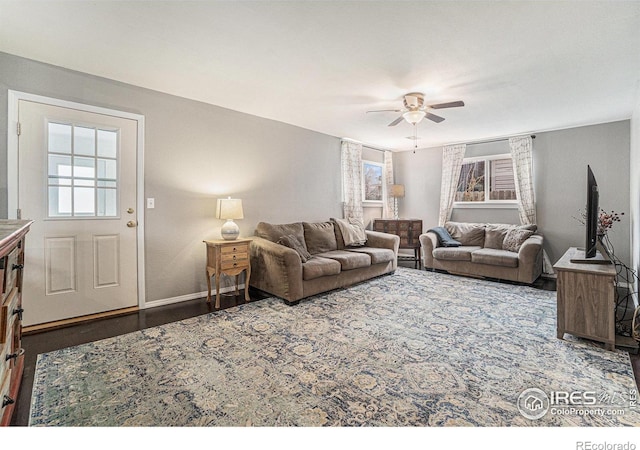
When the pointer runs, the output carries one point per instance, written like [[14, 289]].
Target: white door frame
[[12, 164]]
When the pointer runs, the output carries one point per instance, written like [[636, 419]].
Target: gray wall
[[194, 154], [560, 162]]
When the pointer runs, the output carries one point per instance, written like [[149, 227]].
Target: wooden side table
[[586, 300], [230, 258], [409, 231]]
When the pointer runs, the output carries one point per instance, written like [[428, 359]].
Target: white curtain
[[389, 204], [522, 157], [452, 156], [352, 180]]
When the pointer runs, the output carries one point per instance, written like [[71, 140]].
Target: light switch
[[151, 203]]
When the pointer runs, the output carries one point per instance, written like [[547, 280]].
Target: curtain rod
[[533, 136]]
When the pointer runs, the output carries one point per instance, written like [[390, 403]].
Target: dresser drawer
[[4, 392], [11, 268], [239, 248], [233, 257], [239, 264], [5, 364], [8, 315]]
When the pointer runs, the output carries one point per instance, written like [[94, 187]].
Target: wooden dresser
[[586, 300], [12, 235], [409, 231]]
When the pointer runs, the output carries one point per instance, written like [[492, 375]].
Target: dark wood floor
[[56, 339]]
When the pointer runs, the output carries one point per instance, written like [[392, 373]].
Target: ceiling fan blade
[[385, 110], [396, 122], [436, 119], [447, 105]]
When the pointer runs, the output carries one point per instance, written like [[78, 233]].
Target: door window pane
[[107, 169], [106, 202], [59, 201], [84, 141], [84, 167], [59, 138], [84, 201], [59, 166]]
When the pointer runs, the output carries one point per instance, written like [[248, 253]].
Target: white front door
[[77, 181]]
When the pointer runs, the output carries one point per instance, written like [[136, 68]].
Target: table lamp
[[229, 209]]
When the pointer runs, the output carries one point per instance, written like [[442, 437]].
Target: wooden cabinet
[[586, 300], [409, 231], [12, 236], [230, 257]]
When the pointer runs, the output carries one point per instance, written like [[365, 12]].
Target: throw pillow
[[444, 238], [292, 241], [319, 237], [515, 238], [352, 232]]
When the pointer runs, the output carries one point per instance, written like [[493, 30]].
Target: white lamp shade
[[414, 117], [229, 208]]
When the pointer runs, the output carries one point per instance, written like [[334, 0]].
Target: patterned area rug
[[410, 349]]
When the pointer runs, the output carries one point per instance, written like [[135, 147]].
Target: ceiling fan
[[415, 110]]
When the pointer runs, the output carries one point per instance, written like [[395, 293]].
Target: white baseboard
[[184, 298]]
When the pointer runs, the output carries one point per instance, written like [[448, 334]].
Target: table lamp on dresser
[[229, 209]]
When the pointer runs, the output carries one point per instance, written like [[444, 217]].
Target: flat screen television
[[591, 217], [591, 255]]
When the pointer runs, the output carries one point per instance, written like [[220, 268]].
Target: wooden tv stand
[[586, 299]]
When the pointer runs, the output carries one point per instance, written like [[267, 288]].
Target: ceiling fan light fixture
[[414, 117]]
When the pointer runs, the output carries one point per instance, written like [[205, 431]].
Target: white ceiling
[[519, 66]]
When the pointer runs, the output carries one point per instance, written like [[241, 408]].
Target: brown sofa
[[322, 264], [501, 251]]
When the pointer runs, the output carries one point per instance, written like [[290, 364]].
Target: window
[[82, 171], [372, 186], [486, 180]]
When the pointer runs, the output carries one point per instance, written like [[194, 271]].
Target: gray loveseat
[[322, 264], [501, 251]]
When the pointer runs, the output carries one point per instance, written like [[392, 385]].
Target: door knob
[[130, 210], [132, 224]]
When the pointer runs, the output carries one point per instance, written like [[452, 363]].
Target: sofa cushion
[[455, 253], [273, 232], [319, 267], [378, 255], [293, 242], [320, 237], [444, 238], [348, 260], [467, 233], [515, 238], [495, 257]]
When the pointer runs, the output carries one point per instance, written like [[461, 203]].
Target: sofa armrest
[[531, 247], [530, 256], [275, 269], [428, 241], [383, 240]]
